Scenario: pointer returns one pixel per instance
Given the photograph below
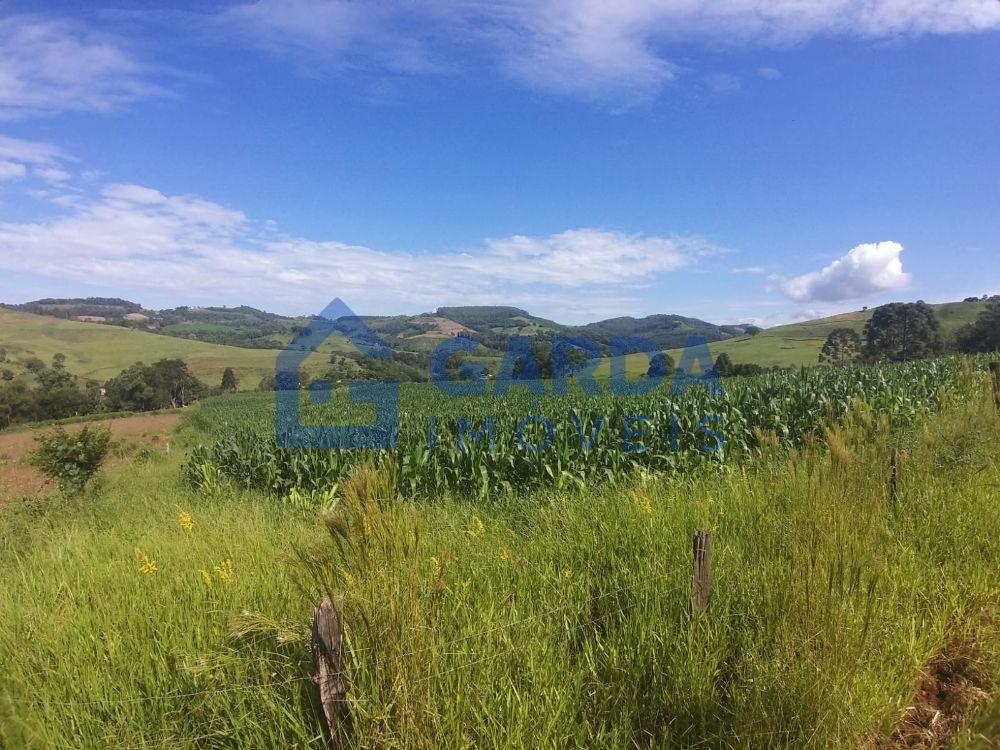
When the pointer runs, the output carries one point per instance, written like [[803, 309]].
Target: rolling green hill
[[251, 328], [100, 352], [236, 326], [798, 344]]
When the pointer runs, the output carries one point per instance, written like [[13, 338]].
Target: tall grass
[[556, 620]]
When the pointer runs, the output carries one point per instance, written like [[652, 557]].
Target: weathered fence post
[[995, 370], [701, 576], [893, 475], [328, 666]]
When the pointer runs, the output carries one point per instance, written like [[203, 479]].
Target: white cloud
[[50, 66], [10, 170], [590, 48], [865, 270], [29, 152], [17, 155], [588, 256], [51, 174], [341, 35], [131, 236]]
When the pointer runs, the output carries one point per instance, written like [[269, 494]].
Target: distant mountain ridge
[[96, 351], [248, 327]]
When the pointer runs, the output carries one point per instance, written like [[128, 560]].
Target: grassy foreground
[[143, 615]]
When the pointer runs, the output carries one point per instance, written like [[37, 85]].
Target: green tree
[[453, 366], [62, 402], [723, 365], [166, 383], [58, 361], [173, 384], [841, 349], [71, 459], [229, 381], [745, 369], [984, 334], [660, 365], [17, 404], [54, 377], [902, 331], [268, 382], [131, 390]]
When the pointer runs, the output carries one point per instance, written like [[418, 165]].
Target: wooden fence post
[[995, 369], [328, 667], [893, 475], [701, 576]]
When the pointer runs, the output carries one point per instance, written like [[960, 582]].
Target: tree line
[[904, 331], [49, 392]]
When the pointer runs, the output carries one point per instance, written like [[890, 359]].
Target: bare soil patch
[[18, 478], [443, 326], [950, 685]]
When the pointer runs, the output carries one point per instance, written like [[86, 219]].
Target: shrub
[[71, 459]]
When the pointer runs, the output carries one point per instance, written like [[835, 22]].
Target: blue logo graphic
[[384, 395], [571, 356]]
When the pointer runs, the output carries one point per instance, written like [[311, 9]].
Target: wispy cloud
[[132, 237], [29, 152], [51, 174], [50, 66], [10, 170], [577, 47], [17, 155], [865, 270], [335, 36]]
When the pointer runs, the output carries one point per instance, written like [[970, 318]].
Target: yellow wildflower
[[225, 571], [642, 502], [504, 554], [478, 527], [206, 578], [567, 574], [435, 566], [146, 564], [185, 520]]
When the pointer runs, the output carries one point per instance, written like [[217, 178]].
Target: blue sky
[[737, 161]]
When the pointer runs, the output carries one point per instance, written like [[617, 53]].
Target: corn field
[[486, 446]]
